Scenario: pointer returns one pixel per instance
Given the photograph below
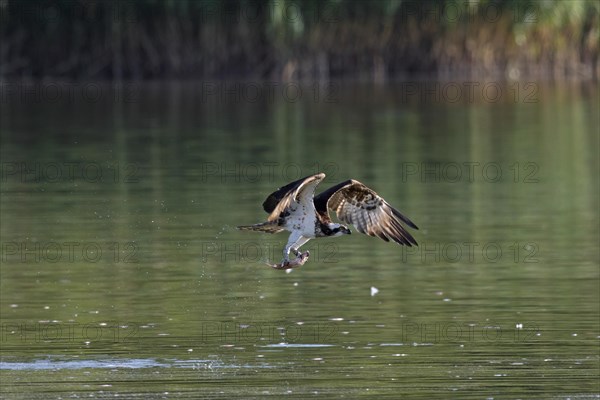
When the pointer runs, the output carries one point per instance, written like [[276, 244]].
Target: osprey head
[[338, 229]]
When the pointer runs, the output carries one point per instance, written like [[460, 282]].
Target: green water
[[122, 272]]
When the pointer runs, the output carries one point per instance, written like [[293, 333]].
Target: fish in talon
[[297, 262]]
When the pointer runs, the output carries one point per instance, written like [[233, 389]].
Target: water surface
[[122, 272]]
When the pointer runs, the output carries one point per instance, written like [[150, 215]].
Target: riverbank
[[299, 40]]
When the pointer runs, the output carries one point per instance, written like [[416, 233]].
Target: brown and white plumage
[[294, 208], [370, 214]]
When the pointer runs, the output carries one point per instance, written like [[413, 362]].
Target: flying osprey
[[295, 208]]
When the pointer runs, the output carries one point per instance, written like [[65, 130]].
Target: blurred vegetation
[[298, 39]]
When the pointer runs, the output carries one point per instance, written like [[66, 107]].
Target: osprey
[[295, 208]]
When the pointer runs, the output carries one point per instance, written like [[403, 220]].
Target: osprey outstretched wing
[[302, 190], [370, 214]]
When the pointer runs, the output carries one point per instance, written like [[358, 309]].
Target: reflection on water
[[121, 265]]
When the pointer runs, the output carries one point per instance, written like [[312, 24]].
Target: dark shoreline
[[300, 40]]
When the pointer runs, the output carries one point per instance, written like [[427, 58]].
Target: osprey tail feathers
[[267, 227]]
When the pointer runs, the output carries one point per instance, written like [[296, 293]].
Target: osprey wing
[[298, 191], [370, 214]]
